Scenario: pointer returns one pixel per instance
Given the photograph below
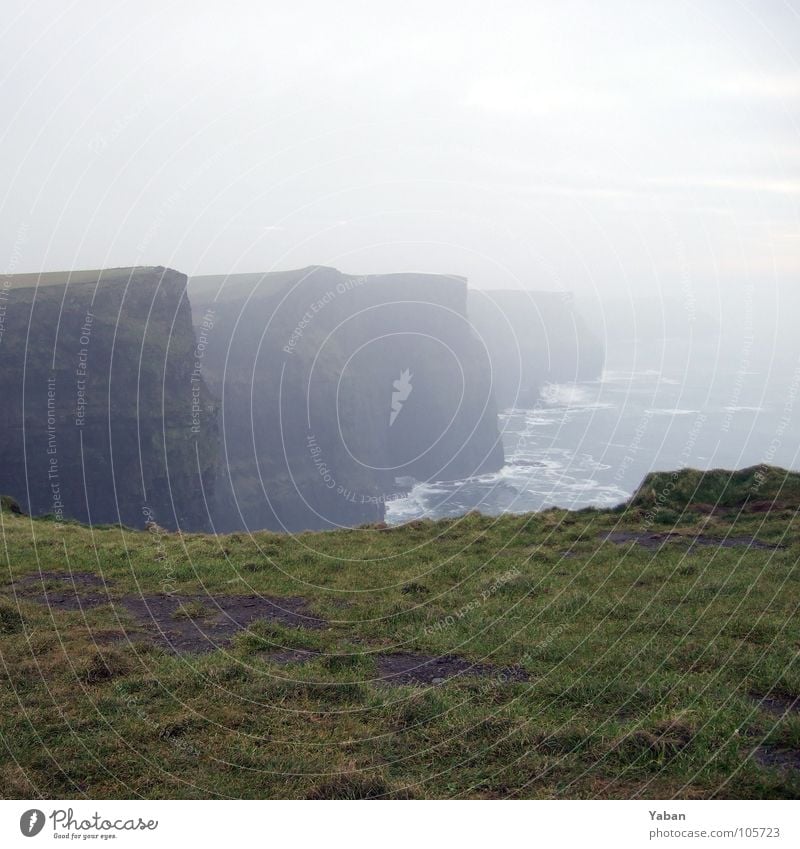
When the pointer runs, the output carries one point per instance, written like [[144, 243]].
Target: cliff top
[[758, 488], [77, 277], [271, 282]]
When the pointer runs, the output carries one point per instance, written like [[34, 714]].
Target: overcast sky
[[577, 145]]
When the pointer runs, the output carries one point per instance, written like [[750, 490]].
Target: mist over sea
[[661, 404]]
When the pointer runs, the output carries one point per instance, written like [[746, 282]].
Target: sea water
[[661, 405]]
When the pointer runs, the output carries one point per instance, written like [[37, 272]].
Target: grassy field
[[660, 665], [74, 278]]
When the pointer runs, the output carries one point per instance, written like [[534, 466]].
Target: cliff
[[104, 419], [533, 338], [335, 388], [759, 489]]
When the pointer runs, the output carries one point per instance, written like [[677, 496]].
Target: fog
[[401, 401], [618, 149]]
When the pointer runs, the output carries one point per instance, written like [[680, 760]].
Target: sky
[[615, 147]]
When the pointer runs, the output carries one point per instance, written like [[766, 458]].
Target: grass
[[718, 488], [645, 667], [74, 278], [192, 610]]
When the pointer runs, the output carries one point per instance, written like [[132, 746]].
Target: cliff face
[[301, 399], [335, 386], [533, 338], [104, 417]]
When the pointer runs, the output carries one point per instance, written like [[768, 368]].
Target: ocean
[[661, 405]]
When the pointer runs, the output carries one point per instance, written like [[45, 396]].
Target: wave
[[677, 411]]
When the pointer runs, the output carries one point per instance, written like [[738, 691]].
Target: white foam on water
[[415, 505], [657, 411]]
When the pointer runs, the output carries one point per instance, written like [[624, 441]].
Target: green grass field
[[604, 669], [81, 277]]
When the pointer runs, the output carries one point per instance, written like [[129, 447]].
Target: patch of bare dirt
[[768, 755], [655, 541], [72, 590], [226, 616], [206, 623], [398, 668], [69, 599], [777, 704], [775, 758], [214, 623], [417, 668]]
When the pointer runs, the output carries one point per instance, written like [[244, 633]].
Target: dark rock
[[335, 386], [98, 386]]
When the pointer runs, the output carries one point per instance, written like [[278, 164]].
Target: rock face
[[104, 417], [336, 388], [533, 338], [299, 400]]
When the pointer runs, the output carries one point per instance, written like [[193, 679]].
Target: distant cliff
[[533, 338], [104, 417], [289, 400], [335, 389]]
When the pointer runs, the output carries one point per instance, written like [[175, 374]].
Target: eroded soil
[[182, 624], [656, 540], [198, 624], [417, 668]]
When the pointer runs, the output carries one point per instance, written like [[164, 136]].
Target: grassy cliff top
[[74, 278], [268, 283], [558, 654], [761, 486]]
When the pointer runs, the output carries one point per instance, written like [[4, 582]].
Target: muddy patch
[[221, 619], [658, 540], [181, 624], [407, 668], [775, 758], [396, 669], [68, 591], [777, 704], [202, 623], [68, 599]]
